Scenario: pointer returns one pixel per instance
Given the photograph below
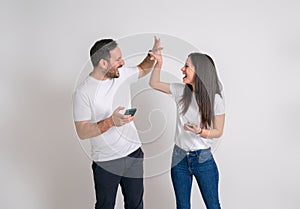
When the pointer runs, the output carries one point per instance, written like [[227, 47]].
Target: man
[[98, 104]]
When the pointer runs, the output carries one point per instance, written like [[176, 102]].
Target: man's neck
[[98, 74]]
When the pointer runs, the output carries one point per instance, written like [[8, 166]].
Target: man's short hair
[[101, 50]]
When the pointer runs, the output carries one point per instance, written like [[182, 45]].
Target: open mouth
[[184, 75]]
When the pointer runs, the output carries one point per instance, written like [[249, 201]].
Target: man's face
[[115, 62]]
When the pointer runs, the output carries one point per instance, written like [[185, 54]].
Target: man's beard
[[113, 72]]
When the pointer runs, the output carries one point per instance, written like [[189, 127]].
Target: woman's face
[[188, 71]]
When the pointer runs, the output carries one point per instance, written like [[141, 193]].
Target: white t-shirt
[[188, 140], [95, 100]]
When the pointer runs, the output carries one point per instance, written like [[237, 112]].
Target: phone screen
[[130, 111]]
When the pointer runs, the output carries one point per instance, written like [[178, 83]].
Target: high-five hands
[[156, 50], [156, 56]]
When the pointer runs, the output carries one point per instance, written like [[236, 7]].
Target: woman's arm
[[216, 132], [155, 75]]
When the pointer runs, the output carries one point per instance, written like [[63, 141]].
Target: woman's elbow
[[152, 85], [220, 134]]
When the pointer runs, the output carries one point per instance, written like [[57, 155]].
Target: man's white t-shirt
[[95, 100], [188, 140]]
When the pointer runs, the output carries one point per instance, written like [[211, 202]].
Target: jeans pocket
[[141, 154], [205, 155], [177, 156]]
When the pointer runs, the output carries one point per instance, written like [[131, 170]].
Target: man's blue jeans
[[202, 166]]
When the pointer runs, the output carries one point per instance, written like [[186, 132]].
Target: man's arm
[[87, 129], [147, 64]]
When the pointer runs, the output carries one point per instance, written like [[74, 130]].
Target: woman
[[200, 119]]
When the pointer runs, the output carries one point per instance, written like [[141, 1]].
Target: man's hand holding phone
[[122, 119], [130, 111]]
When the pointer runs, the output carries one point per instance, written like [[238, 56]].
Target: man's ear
[[103, 63]]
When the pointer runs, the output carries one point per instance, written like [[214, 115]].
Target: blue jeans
[[202, 166]]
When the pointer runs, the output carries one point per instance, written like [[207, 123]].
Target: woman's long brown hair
[[207, 85]]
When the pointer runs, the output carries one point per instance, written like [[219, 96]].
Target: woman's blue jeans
[[201, 165]]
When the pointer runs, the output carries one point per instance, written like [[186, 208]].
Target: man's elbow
[[81, 136]]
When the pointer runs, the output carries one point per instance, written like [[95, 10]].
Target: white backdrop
[[45, 45]]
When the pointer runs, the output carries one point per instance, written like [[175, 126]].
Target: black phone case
[[130, 111]]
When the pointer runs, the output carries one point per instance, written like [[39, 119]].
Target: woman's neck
[[193, 85]]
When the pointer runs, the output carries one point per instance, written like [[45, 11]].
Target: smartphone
[[189, 124], [130, 111]]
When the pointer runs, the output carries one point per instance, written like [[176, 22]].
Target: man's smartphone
[[130, 111]]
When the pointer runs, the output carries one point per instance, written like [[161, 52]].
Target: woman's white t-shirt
[[188, 140]]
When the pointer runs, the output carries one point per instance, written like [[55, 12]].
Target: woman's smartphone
[[189, 124], [130, 111]]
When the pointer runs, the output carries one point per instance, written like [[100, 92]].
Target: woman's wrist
[[200, 132], [158, 65], [204, 133]]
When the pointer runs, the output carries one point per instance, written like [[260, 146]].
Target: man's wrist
[[149, 55], [111, 121], [106, 124]]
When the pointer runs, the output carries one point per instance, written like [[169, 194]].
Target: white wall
[[44, 47]]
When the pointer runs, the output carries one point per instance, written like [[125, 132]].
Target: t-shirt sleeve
[[131, 74], [81, 107], [176, 89], [219, 105]]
